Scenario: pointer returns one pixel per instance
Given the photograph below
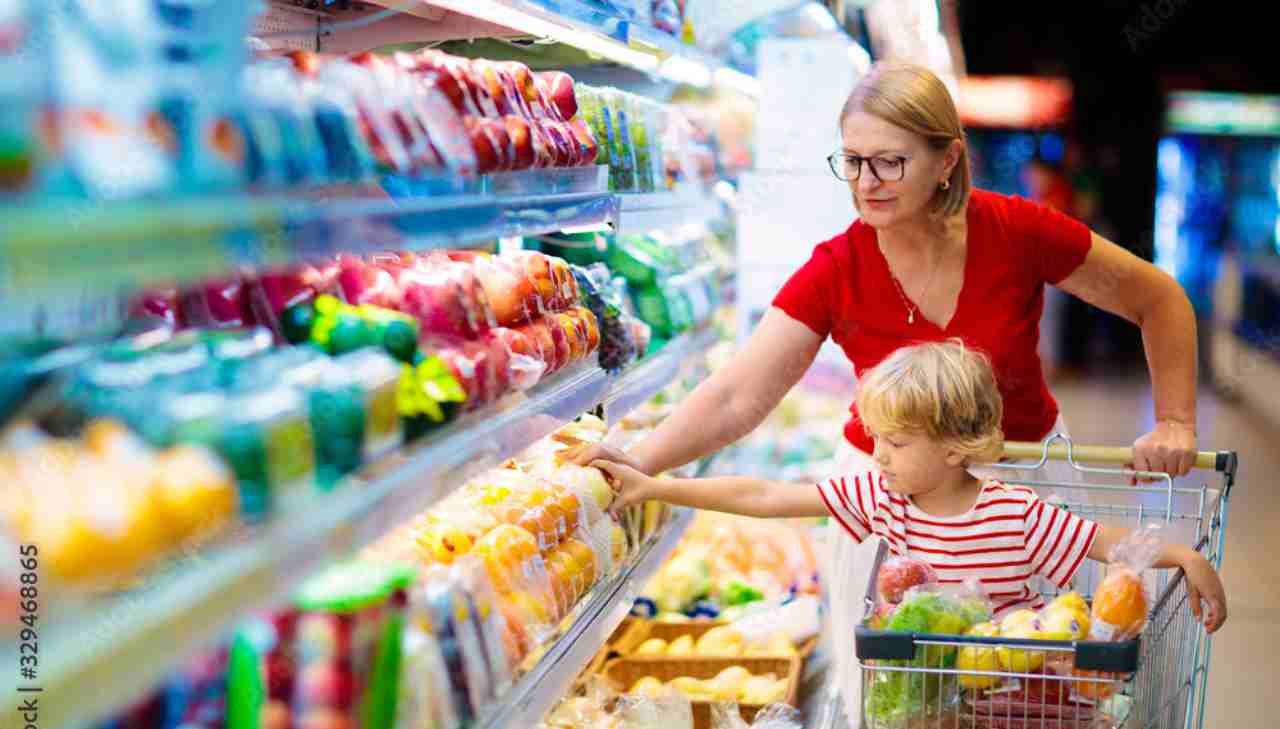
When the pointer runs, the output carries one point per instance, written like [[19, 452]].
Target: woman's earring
[[945, 184]]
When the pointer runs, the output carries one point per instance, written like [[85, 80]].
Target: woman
[[930, 259]]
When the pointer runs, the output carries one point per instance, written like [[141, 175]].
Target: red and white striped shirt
[[1008, 536]]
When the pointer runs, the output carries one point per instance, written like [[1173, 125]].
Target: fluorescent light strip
[[739, 82], [511, 17]]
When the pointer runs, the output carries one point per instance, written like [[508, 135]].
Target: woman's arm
[[730, 403], [1114, 279], [728, 494], [1203, 582]]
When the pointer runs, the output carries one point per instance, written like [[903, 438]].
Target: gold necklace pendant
[[911, 317]]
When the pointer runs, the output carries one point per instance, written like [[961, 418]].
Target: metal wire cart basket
[[1158, 679]]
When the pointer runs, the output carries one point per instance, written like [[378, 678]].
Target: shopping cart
[[913, 680]]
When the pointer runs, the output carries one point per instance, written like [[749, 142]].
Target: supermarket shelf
[[641, 382], [570, 22], [58, 249], [665, 211], [539, 690], [200, 595]]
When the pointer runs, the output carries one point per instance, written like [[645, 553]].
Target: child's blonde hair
[[943, 390]]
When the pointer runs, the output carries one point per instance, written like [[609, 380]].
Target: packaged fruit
[[1120, 600], [899, 574], [336, 654]]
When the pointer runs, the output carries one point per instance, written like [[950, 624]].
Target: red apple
[[159, 304], [523, 83], [280, 674], [558, 88], [219, 303], [445, 127], [487, 144], [510, 292], [587, 143], [541, 343], [325, 683], [563, 147], [899, 574], [537, 267], [365, 284], [521, 142]]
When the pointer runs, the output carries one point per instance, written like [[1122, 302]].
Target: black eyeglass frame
[[836, 159]]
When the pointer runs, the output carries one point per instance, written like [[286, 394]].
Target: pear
[[728, 684], [652, 647], [692, 687], [682, 646], [719, 641], [647, 686]]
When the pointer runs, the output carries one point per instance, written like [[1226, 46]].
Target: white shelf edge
[[258, 568]]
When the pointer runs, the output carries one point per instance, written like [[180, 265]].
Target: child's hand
[[1203, 583], [629, 485]]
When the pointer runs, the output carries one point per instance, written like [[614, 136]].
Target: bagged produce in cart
[[1120, 600], [899, 574]]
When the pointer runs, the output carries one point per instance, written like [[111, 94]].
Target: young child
[[932, 409]]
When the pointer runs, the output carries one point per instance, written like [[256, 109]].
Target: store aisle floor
[[1246, 652]]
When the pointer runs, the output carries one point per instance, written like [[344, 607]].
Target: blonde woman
[[930, 258]]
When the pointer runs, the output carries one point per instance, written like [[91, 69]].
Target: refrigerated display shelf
[[650, 375], [47, 247], [589, 28], [540, 689], [97, 658], [665, 212]]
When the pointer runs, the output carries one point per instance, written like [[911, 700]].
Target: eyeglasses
[[848, 167]]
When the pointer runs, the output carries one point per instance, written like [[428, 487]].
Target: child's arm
[[1202, 580], [730, 494]]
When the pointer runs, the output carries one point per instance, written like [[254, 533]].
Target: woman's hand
[[1169, 448], [588, 454], [630, 486], [1204, 584]]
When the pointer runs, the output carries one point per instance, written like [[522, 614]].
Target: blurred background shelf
[[196, 597], [664, 212]]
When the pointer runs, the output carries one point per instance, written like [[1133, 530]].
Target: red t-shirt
[[1014, 247]]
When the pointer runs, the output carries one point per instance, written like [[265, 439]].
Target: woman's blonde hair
[[914, 98], [943, 390]]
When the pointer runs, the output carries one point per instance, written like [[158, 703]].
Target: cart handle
[[1222, 461]]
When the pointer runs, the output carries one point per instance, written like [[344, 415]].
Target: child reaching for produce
[[932, 410]]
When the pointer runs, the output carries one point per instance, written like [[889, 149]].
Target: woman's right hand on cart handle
[[728, 404], [1204, 587]]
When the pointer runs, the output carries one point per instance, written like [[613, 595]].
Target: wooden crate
[[624, 672]]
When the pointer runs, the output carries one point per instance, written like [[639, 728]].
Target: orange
[[1119, 605]]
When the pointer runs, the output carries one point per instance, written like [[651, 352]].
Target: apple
[[561, 148], [276, 715], [280, 673], [558, 88], [159, 304], [306, 63], [365, 284], [1060, 622], [482, 92], [489, 143], [1024, 625], [590, 147], [509, 291], [524, 155], [540, 343], [899, 574]]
